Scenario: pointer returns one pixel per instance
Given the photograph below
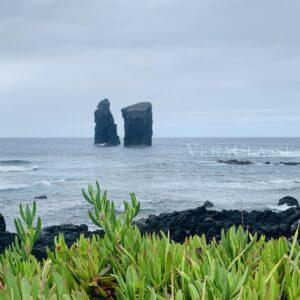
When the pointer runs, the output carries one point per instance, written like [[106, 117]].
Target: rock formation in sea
[[235, 162], [138, 124], [106, 129]]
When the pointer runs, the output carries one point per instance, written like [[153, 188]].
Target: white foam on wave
[[50, 182], [276, 184], [283, 207], [252, 152], [20, 186], [17, 168], [14, 187]]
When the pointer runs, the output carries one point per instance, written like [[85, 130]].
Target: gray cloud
[[210, 67]]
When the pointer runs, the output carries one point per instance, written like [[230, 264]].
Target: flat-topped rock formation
[[138, 124], [106, 129]]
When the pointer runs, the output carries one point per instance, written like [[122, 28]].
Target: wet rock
[[138, 124], [208, 204], [106, 129], [235, 162], [2, 224], [42, 197], [290, 201]]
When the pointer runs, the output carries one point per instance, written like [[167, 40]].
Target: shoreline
[[180, 225]]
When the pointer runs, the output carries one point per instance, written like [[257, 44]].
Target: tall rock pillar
[[106, 129]]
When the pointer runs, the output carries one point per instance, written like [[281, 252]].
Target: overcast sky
[[209, 67]]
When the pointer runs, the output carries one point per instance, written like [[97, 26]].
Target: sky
[[211, 68]]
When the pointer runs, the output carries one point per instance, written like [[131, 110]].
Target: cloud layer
[[210, 67]]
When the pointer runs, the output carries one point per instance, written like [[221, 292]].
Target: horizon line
[[156, 137]]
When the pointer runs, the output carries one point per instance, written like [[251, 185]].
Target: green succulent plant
[[127, 265], [27, 233]]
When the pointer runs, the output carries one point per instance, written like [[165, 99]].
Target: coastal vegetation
[[124, 264]]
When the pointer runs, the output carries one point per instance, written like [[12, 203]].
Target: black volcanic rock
[[289, 201], [289, 163], [235, 162], [106, 129], [42, 197], [70, 232], [138, 124], [180, 224], [2, 224], [200, 221], [208, 204], [6, 240]]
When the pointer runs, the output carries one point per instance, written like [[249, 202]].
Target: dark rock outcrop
[[208, 204], [106, 129], [2, 224], [289, 201], [71, 234], [210, 222], [181, 224], [42, 197], [138, 124], [289, 163], [6, 240], [295, 226], [235, 162]]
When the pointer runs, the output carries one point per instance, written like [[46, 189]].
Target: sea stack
[[106, 129], [138, 124]]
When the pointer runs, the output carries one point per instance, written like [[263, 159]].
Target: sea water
[[174, 174]]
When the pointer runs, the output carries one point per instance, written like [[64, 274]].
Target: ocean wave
[[252, 152], [50, 182], [14, 162], [14, 187], [280, 207], [21, 186], [9, 169], [17, 165], [263, 185]]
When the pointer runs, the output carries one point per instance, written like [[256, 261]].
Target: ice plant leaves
[[126, 265]]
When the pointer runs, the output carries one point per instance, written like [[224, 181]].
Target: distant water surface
[[174, 174]]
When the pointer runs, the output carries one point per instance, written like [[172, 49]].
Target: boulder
[[2, 224], [138, 124], [290, 201], [106, 129]]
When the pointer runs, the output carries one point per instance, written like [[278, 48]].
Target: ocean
[[174, 174]]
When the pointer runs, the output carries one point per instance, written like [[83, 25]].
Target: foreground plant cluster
[[126, 265]]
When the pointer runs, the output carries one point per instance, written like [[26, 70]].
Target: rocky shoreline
[[198, 221]]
